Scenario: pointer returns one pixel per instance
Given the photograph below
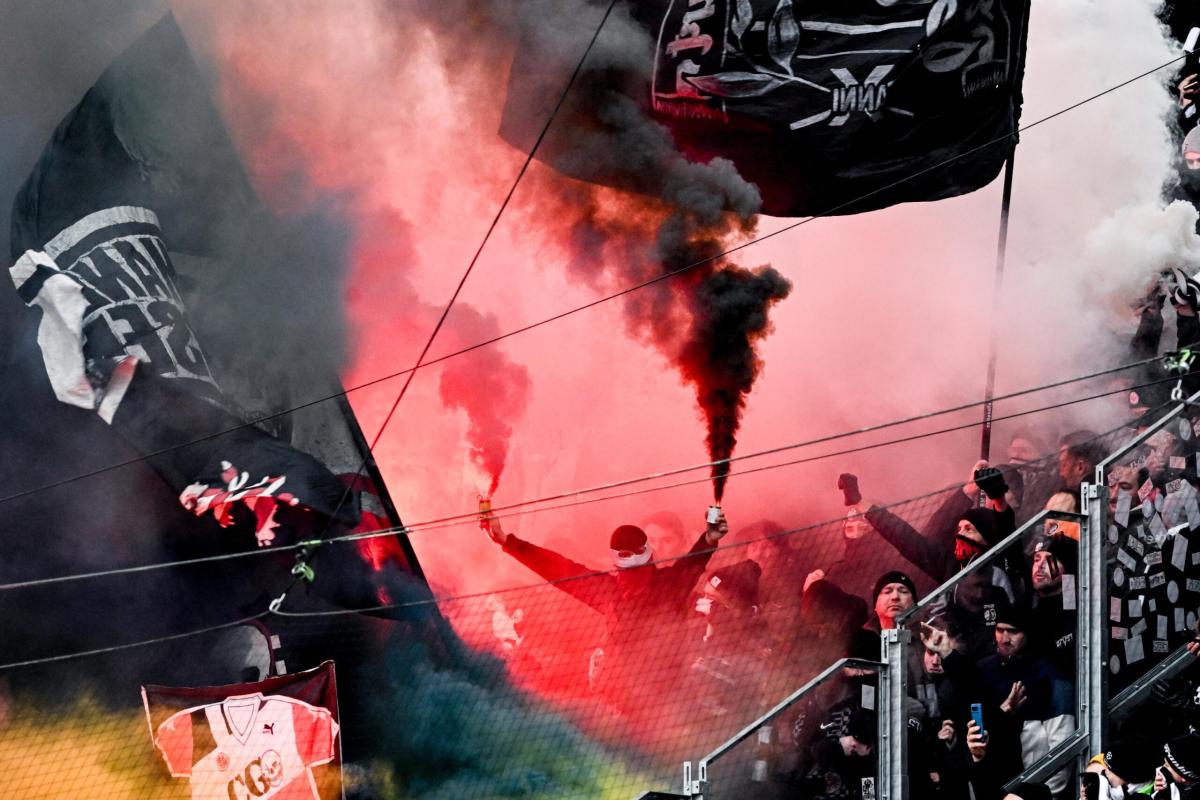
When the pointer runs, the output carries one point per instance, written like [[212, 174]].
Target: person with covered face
[[643, 605], [864, 556], [958, 532]]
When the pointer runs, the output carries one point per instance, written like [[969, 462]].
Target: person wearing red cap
[[643, 604]]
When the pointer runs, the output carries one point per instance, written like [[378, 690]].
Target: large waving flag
[[139, 171], [826, 105]]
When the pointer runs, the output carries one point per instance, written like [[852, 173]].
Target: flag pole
[[985, 444]]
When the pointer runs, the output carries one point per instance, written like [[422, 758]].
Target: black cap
[[1183, 754], [1133, 759], [861, 726], [895, 576], [1062, 547], [984, 520], [738, 580], [1014, 615]]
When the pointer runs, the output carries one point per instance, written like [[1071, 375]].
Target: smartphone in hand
[[977, 716]]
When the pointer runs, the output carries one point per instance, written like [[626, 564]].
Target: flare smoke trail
[[708, 321], [729, 310], [492, 390]]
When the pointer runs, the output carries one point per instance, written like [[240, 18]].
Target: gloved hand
[[991, 481]]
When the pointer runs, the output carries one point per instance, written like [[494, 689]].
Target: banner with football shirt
[[277, 739]]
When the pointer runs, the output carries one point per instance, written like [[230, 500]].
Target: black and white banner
[[111, 303], [823, 104], [140, 166]]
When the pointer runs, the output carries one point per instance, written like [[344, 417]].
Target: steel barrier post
[[893, 730], [1091, 649]]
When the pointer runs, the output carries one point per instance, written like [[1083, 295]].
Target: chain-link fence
[[589, 683]]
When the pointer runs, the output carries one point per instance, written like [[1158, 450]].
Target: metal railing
[[1094, 499], [696, 785], [1084, 589], [1093, 707]]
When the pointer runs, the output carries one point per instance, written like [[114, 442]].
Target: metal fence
[[1135, 594]]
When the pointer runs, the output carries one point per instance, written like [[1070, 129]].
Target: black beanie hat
[[628, 537], [895, 576], [861, 726], [1183, 754], [1062, 547], [738, 580], [984, 520], [1133, 760], [1031, 791], [1014, 615]]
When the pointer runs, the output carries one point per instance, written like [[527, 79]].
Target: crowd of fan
[[991, 680], [992, 677], [1003, 641]]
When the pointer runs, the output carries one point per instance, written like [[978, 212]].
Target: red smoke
[[324, 95], [489, 387]]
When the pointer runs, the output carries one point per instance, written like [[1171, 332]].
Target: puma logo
[[269, 728]]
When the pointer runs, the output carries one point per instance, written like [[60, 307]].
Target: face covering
[[623, 559]]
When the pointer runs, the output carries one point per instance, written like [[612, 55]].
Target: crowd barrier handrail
[[1137, 691], [695, 786], [988, 559], [1092, 587]]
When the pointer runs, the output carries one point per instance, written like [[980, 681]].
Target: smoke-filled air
[[643, 373]]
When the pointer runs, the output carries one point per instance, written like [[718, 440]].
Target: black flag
[[823, 104], [140, 169]]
